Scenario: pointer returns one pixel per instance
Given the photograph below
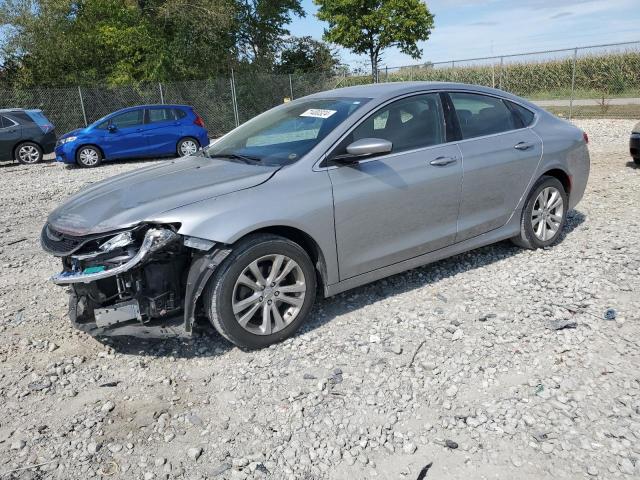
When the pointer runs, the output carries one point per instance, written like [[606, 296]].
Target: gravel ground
[[457, 364]]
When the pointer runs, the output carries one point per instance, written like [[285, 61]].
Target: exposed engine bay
[[138, 275]]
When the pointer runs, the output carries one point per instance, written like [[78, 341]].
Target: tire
[[88, 156], [28, 153], [538, 237], [187, 146], [636, 160], [225, 291]]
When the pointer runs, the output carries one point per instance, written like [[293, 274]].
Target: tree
[[371, 26], [57, 42], [306, 55], [261, 27]]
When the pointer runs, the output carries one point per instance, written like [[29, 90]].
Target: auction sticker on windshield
[[318, 113]]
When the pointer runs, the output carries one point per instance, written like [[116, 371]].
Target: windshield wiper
[[236, 156]]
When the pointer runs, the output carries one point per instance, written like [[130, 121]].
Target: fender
[[200, 272]]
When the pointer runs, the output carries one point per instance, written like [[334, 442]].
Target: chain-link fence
[[601, 82]]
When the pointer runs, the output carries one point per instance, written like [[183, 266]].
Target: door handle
[[523, 146], [443, 161]]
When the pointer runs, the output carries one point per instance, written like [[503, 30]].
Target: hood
[[73, 132], [130, 198]]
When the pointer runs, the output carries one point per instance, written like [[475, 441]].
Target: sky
[[475, 28]]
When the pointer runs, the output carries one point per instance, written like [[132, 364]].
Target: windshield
[[284, 135]]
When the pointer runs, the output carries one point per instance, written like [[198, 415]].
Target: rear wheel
[[544, 214], [28, 153], [187, 146], [262, 292], [88, 156], [636, 160]]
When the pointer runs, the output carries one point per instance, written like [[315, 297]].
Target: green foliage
[[306, 55], [56, 42], [371, 26], [261, 27]]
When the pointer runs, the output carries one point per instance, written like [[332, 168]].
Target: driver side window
[[410, 123]]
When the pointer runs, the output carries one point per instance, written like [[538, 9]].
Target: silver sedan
[[316, 196]]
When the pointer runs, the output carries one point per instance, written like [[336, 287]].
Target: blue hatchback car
[[142, 131]]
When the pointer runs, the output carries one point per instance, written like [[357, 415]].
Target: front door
[[400, 205], [500, 158], [125, 135]]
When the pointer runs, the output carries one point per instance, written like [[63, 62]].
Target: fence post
[[234, 99], [161, 95], [500, 77], [573, 82], [84, 114], [290, 86]]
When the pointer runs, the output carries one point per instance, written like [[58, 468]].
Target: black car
[[634, 144], [25, 135]]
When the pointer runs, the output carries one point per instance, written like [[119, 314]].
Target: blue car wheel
[[187, 146], [88, 156]]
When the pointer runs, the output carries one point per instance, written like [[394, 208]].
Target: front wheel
[[28, 153], [544, 214], [262, 292], [187, 146], [88, 157]]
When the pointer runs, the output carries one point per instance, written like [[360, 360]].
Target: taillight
[[198, 121], [585, 137]]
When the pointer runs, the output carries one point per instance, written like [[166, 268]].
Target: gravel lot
[[455, 364]]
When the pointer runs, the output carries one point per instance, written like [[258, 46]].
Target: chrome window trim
[[15, 124], [317, 168]]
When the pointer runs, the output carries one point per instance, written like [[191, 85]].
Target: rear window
[[38, 117]]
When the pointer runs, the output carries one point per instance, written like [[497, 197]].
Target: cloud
[[483, 24], [560, 15]]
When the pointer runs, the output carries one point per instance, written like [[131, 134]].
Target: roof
[[9, 110], [162, 105], [383, 91]]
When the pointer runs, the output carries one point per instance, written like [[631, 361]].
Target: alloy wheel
[[28, 154], [269, 294], [188, 147], [89, 157], [547, 214]]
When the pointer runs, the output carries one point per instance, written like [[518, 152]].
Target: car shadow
[[633, 165], [122, 161], [206, 342]]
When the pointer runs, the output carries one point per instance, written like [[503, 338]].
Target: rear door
[[500, 156], [9, 136], [400, 205], [162, 130], [125, 136]]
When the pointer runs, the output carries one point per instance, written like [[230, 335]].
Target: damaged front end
[[147, 275]]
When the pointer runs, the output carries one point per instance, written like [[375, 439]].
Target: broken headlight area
[[138, 274]]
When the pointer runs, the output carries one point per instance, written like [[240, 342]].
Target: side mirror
[[112, 127], [363, 148]]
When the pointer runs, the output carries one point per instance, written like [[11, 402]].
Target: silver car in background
[[319, 195]]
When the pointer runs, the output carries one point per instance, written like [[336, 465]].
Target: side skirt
[[507, 231]]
